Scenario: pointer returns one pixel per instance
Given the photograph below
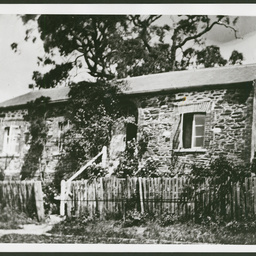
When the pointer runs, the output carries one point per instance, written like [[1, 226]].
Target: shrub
[[220, 173], [12, 218], [237, 227], [51, 205], [135, 218], [150, 169], [166, 218], [128, 161], [2, 174]]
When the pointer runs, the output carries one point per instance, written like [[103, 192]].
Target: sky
[[16, 68]]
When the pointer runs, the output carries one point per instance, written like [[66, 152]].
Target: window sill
[[190, 150]]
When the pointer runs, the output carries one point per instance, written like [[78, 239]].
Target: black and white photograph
[[128, 124]]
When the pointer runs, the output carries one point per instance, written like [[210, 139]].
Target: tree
[[109, 46], [236, 57], [162, 55], [210, 57]]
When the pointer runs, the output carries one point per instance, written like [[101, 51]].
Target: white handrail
[[65, 191], [88, 164]]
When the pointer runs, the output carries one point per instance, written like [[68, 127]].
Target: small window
[[193, 129], [62, 128], [11, 140]]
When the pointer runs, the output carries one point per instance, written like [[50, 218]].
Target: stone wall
[[228, 124], [228, 129], [12, 163]]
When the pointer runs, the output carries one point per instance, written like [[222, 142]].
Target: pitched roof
[[191, 79], [179, 80], [56, 95]]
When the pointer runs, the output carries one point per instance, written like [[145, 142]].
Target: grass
[[13, 219], [112, 232], [92, 230]]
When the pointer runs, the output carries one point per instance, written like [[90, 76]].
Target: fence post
[[68, 199], [62, 197], [39, 200], [104, 157], [141, 195]]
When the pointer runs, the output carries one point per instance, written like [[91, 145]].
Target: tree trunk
[[173, 51]]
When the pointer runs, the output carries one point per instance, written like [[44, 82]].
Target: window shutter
[[14, 140], [1, 139], [176, 137]]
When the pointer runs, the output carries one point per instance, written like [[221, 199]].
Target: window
[[11, 140], [193, 128], [62, 128]]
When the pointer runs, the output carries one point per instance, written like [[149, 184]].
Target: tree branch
[[208, 28], [228, 26]]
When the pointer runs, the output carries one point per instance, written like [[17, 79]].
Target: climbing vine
[[93, 109], [38, 111]]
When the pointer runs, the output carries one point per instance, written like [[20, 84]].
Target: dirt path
[[34, 229]]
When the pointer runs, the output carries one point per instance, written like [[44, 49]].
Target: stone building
[[189, 116]]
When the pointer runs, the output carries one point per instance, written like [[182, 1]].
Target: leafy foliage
[[38, 111], [92, 110], [53, 77], [167, 218], [221, 173], [150, 169], [51, 205], [210, 56], [128, 161], [236, 57], [135, 218], [108, 46], [2, 174], [12, 218]]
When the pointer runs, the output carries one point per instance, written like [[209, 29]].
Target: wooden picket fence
[[114, 196], [239, 201], [108, 196], [24, 196]]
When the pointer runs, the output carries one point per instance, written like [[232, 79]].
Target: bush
[[166, 218], [150, 169], [241, 227], [220, 173], [2, 174], [128, 161], [12, 218], [135, 218], [51, 205], [74, 225]]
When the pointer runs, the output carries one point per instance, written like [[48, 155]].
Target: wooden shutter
[[14, 140], [1, 139], [176, 137]]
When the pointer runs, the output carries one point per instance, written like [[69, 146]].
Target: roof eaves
[[184, 88], [24, 105]]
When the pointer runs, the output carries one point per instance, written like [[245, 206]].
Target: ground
[[55, 230]]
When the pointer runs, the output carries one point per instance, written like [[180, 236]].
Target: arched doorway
[[124, 131]]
